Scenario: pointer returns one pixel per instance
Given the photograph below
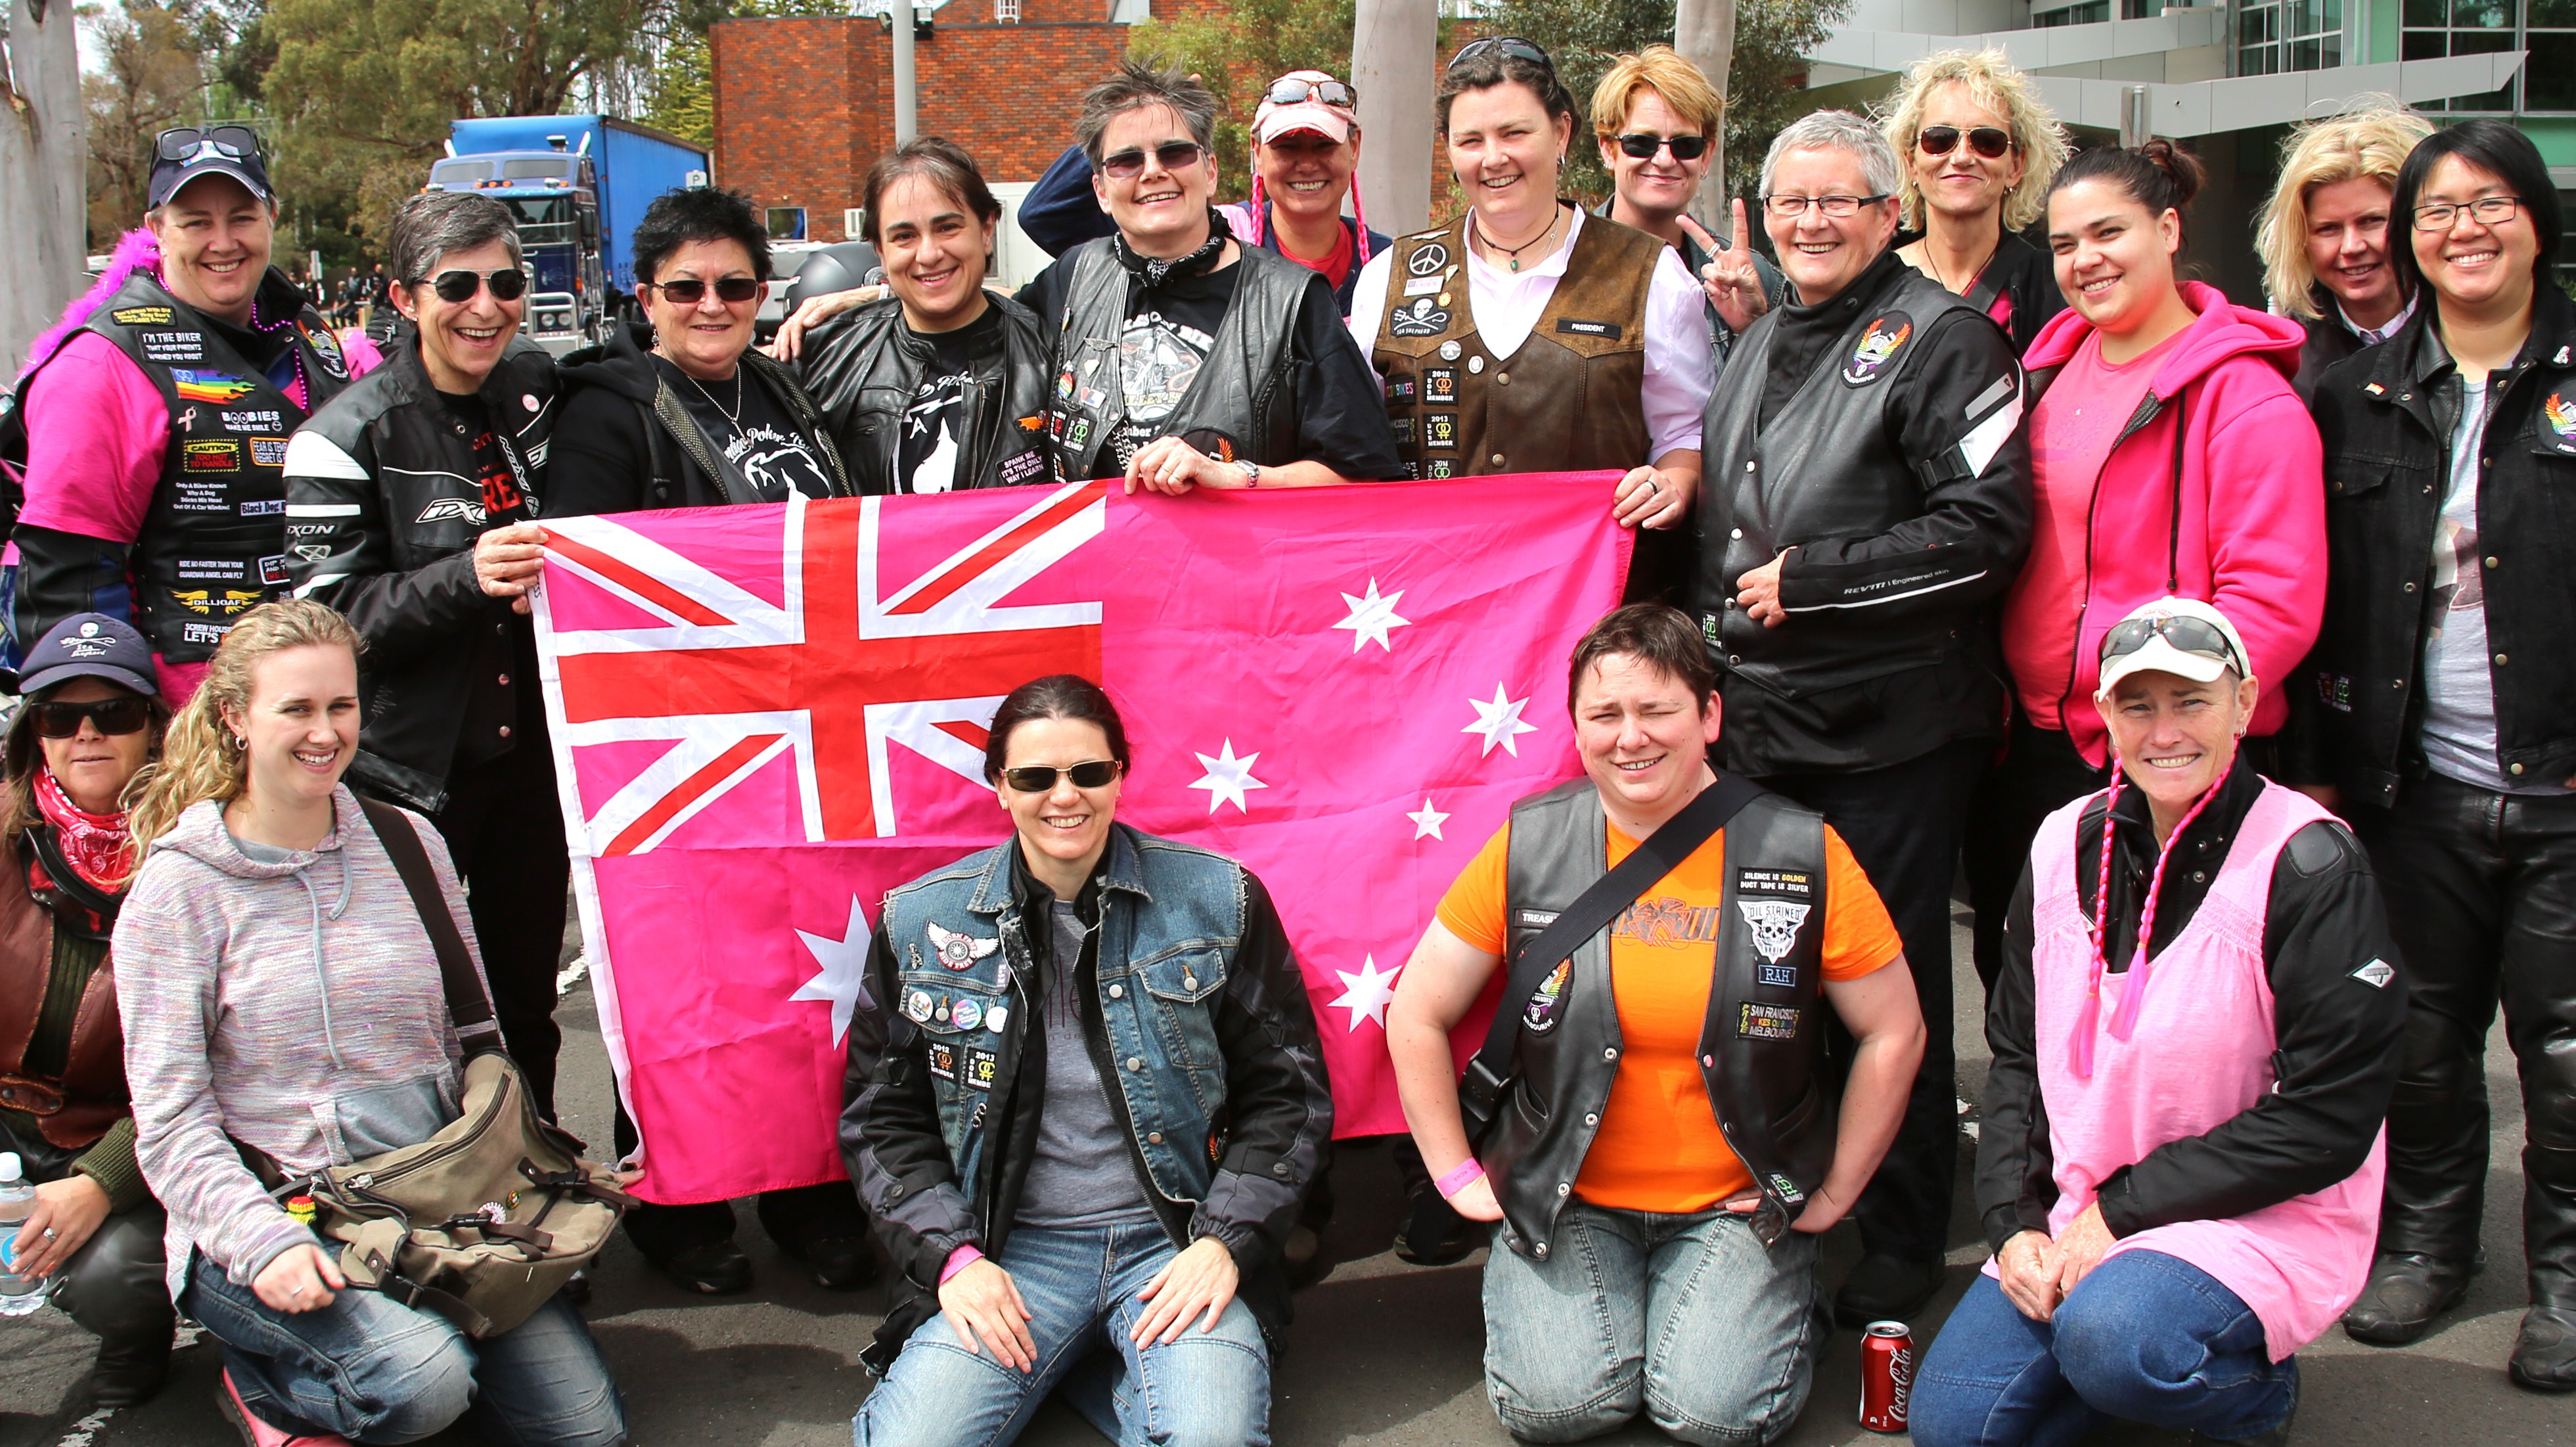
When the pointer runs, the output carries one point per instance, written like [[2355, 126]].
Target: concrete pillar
[[907, 107], [44, 148], [1394, 44]]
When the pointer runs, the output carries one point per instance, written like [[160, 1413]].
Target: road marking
[[572, 975]]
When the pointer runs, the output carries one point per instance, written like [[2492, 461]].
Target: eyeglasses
[[1790, 208], [2489, 211], [1986, 141], [1290, 91], [1039, 780], [1511, 45], [58, 720], [455, 287], [2190, 635], [1643, 146], [185, 143], [1170, 155], [689, 291]]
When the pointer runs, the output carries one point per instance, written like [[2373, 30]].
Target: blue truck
[[578, 185]]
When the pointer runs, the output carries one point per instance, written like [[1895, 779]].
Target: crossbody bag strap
[[1660, 854], [467, 1005]]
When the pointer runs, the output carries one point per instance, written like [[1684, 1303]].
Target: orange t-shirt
[[1658, 1147]]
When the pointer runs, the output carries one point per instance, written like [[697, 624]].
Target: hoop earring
[[240, 744]]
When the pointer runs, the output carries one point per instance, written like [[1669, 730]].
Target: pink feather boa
[[135, 251]]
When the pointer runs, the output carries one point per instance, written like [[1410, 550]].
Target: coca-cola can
[[1886, 1375]]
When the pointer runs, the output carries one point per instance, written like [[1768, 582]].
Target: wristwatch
[[1251, 472]]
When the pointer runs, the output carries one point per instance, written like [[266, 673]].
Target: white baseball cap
[[2182, 636]]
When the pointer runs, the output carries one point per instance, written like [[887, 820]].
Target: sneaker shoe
[[716, 1269], [2544, 1355], [257, 1432], [1887, 1288], [2405, 1292]]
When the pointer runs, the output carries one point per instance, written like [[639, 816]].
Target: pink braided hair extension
[[2089, 1020]]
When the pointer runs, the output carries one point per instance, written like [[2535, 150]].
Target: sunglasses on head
[[59, 720], [689, 291], [1036, 779], [1170, 155], [1643, 147], [1290, 91], [182, 143], [1511, 45], [453, 287], [2190, 635], [1986, 141]]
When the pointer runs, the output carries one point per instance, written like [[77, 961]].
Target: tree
[[1235, 50], [147, 76]]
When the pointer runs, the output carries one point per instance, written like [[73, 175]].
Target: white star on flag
[[1367, 994], [1427, 822], [1500, 722], [1372, 616], [1227, 778], [842, 980]]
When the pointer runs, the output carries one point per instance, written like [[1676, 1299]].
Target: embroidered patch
[[2562, 420], [326, 350], [1022, 467], [1767, 1022], [219, 388], [1877, 347], [1786, 1189], [1422, 317], [207, 602], [982, 1066], [2376, 974], [1427, 259], [943, 1059], [272, 569], [268, 451], [1403, 429], [1421, 285], [264, 507], [1588, 329], [1401, 391], [172, 346], [2334, 690], [1440, 386], [213, 454], [1444, 468], [1546, 1003], [260, 419], [141, 316], [1440, 429], [1783, 976], [1774, 923], [1078, 434]]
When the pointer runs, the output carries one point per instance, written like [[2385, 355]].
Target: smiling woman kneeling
[[2195, 1036]]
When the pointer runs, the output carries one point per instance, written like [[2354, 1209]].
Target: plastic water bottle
[[19, 1295]]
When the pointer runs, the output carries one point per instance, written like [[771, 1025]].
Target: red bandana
[[95, 845]]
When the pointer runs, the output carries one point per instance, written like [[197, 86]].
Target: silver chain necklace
[[734, 417]]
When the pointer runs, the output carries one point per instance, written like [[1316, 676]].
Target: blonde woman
[[2324, 236], [1979, 150], [279, 990], [1658, 123]]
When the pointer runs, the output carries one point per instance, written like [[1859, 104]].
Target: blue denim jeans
[[377, 1372], [1209, 1389], [1689, 1317], [2147, 1338]]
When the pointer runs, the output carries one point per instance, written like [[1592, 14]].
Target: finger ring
[[49, 1233]]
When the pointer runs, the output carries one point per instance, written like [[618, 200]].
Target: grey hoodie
[[258, 998]]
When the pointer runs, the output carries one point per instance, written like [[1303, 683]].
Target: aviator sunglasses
[[1986, 141], [1037, 779], [2190, 635], [1643, 147], [1290, 91], [59, 720], [689, 291], [456, 287]]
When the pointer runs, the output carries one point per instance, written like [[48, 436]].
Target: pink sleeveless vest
[[2201, 1053]]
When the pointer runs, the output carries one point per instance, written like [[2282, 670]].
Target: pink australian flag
[[766, 717]]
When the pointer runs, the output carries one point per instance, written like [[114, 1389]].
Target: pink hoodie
[[2252, 534]]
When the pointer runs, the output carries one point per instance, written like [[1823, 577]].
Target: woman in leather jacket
[[941, 386], [93, 717]]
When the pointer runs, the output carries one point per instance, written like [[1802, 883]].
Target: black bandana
[[1154, 271]]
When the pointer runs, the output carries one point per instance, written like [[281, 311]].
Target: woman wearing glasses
[[1980, 150], [92, 718], [1525, 336], [1305, 150], [2449, 694], [1085, 1108], [2195, 1035], [2168, 456]]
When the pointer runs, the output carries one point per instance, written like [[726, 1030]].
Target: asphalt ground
[[1381, 1353]]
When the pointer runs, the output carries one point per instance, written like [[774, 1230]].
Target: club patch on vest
[[2376, 974], [1547, 1003], [263, 419], [272, 570], [1775, 904], [1440, 429], [1422, 317], [1436, 471], [1427, 259], [141, 316], [326, 350], [212, 454], [209, 602], [194, 385], [1767, 1022], [1403, 429], [1578, 328], [268, 452], [1401, 391], [959, 951], [2562, 421], [1786, 1189], [172, 346], [1440, 386], [1877, 347], [1023, 467], [982, 1065], [942, 1055]]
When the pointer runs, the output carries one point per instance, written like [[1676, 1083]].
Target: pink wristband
[[1468, 1173], [959, 1260]]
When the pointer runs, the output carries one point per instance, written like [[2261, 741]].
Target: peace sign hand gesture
[[1733, 283]]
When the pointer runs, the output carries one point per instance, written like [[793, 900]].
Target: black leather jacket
[[862, 368], [383, 507], [2386, 417]]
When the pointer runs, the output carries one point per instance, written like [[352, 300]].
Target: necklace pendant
[[1516, 263]]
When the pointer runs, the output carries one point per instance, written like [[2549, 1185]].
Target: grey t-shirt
[[1083, 1176]]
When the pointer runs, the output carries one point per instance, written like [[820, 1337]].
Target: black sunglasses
[[1038, 780], [1291, 91], [1643, 146], [1511, 45], [182, 143], [689, 291], [1170, 155], [2190, 635], [454, 287], [1986, 141], [59, 720]]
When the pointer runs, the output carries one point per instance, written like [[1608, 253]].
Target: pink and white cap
[[1332, 122]]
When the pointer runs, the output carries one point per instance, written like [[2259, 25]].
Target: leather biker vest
[[1569, 400], [74, 1109], [1761, 1044], [863, 380], [1243, 402], [1827, 465]]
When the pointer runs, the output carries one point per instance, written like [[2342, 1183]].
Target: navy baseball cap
[[183, 154], [90, 645]]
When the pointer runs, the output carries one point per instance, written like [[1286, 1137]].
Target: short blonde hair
[[1992, 82], [1663, 70], [2368, 143]]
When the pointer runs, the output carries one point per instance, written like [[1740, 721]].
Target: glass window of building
[[2545, 29], [2275, 36]]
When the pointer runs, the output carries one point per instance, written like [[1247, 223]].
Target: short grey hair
[[1837, 131], [1135, 87], [431, 224]]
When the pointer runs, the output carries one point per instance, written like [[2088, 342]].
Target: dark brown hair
[[2159, 175], [1058, 695], [24, 750], [1495, 66], [941, 162], [1656, 634]]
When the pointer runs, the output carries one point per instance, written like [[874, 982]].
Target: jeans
[[2147, 1338], [2481, 891], [1690, 1317], [1208, 1389], [1902, 824], [375, 1371]]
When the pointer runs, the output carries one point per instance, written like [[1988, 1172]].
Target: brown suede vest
[[1569, 400], [74, 1109]]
